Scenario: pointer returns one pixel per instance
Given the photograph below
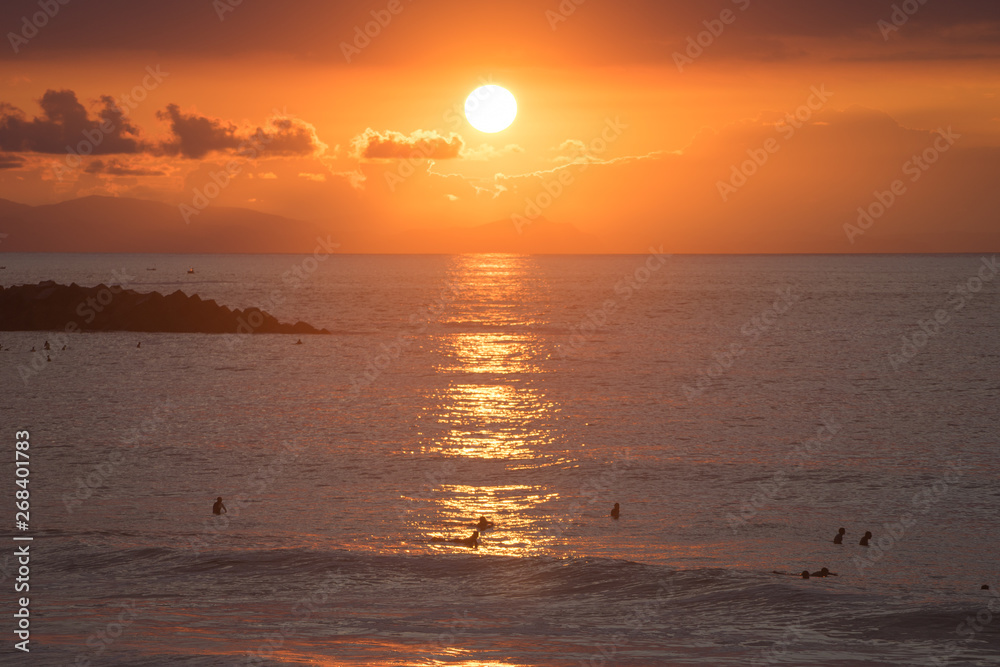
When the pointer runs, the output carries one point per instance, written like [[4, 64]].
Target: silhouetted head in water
[[864, 540], [484, 523], [984, 587], [824, 573], [839, 538], [615, 511], [805, 574]]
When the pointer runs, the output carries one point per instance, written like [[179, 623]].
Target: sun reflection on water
[[492, 407]]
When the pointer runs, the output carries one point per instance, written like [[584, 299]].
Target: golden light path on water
[[493, 406]]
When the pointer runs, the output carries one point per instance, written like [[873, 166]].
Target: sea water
[[739, 408]]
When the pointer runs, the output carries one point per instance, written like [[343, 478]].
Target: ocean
[[740, 409]]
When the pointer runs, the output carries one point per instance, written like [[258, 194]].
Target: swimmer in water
[[839, 538], [864, 540], [823, 573], [219, 507], [615, 511], [470, 541], [484, 523]]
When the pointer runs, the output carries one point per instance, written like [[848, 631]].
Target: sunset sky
[[639, 123]]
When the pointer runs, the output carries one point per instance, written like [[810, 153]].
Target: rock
[[49, 306]]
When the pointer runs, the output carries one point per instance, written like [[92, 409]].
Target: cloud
[[65, 124], [420, 144], [488, 152], [292, 136], [116, 167], [8, 161], [194, 136], [313, 177]]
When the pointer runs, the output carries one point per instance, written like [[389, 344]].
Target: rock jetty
[[49, 306]]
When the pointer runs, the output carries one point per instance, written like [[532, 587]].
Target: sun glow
[[490, 108]]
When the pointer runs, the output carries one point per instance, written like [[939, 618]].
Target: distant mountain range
[[121, 224]]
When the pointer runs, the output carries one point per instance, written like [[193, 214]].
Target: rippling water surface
[[740, 409]]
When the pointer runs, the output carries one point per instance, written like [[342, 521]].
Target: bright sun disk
[[490, 108]]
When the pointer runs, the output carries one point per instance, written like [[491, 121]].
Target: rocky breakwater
[[49, 306]]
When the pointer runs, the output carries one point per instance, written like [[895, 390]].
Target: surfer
[[219, 507], [46, 346], [839, 537], [484, 523], [138, 345], [470, 541], [864, 540], [298, 342], [615, 511], [823, 573]]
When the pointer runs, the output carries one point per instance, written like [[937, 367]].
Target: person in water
[[219, 507], [615, 511], [138, 345], [470, 541], [824, 573], [864, 540], [484, 523], [839, 537]]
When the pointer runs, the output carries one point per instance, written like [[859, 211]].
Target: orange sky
[[624, 130]]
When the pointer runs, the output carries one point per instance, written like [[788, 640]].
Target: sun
[[490, 108]]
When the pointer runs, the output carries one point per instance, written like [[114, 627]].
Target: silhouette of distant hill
[[121, 224]]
